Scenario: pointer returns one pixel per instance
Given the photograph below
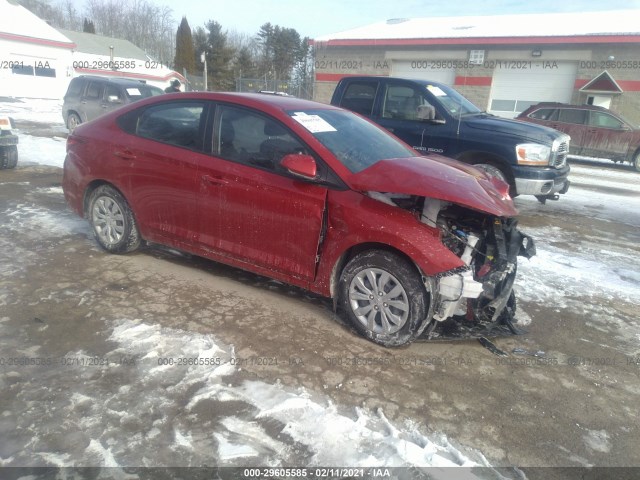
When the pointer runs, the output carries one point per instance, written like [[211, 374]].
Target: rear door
[[572, 121], [249, 207], [161, 160], [91, 101]]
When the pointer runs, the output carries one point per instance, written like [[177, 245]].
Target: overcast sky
[[322, 17]]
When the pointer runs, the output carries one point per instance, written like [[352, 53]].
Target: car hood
[[440, 178], [530, 131]]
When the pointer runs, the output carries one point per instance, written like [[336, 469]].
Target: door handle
[[208, 179], [126, 155]]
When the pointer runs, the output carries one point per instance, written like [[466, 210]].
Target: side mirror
[[300, 165], [113, 99]]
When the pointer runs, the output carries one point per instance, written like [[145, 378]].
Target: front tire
[[112, 220], [384, 297]]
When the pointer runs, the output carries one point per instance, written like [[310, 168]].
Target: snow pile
[[164, 399]]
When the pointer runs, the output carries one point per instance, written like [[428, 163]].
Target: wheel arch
[[90, 189], [354, 250]]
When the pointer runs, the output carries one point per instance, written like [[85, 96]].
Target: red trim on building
[[473, 81], [481, 41], [39, 41], [118, 73], [336, 77]]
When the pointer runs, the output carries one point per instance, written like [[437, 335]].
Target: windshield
[[355, 142], [452, 101]]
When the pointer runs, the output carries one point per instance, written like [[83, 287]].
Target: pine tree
[[88, 26], [185, 54]]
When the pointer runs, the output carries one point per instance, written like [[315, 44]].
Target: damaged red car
[[308, 194]]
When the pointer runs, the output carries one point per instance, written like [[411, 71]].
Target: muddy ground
[[574, 403]]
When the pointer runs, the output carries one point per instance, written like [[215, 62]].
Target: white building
[[38, 61], [503, 63], [35, 58]]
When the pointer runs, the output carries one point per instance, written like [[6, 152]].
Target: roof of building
[[100, 45], [20, 25], [590, 27]]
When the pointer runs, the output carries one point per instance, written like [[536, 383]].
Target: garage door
[[516, 85], [423, 69]]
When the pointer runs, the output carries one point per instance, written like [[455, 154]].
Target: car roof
[[119, 81], [278, 102], [419, 81], [568, 105]]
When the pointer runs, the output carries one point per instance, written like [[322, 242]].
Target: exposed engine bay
[[477, 296]]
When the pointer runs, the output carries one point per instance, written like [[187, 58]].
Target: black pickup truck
[[435, 118], [8, 144]]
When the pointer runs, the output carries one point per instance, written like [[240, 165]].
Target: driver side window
[[406, 103], [248, 137]]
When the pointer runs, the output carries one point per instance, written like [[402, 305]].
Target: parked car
[[595, 131], [308, 194], [433, 117], [8, 143], [89, 96]]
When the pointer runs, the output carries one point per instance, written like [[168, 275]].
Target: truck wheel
[[112, 220], [492, 170], [73, 120], [636, 161], [384, 297], [8, 157]]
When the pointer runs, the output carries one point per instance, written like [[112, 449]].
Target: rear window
[[137, 92]]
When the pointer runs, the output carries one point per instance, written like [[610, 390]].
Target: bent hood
[[440, 178]]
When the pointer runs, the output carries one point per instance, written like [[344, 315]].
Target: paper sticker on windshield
[[133, 92], [313, 123], [437, 91]]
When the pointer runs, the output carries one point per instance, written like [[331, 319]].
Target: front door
[[249, 207]]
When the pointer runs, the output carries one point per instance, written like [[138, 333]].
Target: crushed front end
[[480, 293]]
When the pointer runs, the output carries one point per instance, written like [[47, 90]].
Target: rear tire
[[384, 297], [73, 120], [112, 220], [8, 157]]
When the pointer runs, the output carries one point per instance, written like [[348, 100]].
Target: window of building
[[45, 72], [22, 70]]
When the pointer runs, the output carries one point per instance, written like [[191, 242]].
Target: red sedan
[[308, 194]]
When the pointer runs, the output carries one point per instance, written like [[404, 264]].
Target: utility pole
[[203, 59]]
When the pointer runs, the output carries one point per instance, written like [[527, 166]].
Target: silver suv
[[88, 97]]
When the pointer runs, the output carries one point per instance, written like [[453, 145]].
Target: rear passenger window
[[359, 97], [180, 124], [94, 90], [573, 115]]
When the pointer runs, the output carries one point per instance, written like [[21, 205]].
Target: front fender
[[355, 219]]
